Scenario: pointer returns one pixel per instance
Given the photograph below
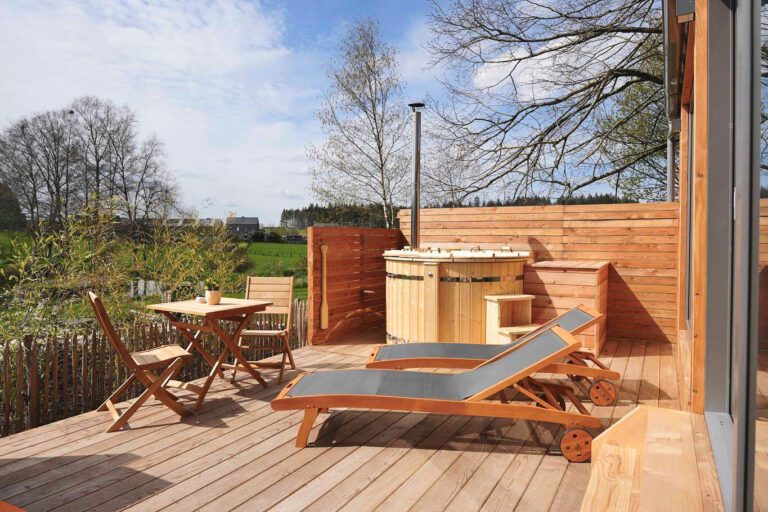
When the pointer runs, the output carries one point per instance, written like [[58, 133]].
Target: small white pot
[[212, 297]]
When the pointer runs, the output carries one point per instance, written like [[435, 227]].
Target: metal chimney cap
[[415, 105]]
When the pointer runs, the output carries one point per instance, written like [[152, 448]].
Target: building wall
[[691, 354]]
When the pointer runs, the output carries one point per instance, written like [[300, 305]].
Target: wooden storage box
[[561, 285]]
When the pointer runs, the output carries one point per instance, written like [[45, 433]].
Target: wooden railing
[[44, 380]]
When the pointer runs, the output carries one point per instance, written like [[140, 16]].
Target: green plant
[[175, 257], [47, 276]]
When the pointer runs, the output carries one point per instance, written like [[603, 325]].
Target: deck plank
[[545, 486], [498, 439], [338, 426], [391, 479], [469, 437], [100, 447], [349, 488], [264, 498], [239, 454], [577, 475]]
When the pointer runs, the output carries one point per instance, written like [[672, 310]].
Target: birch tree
[[365, 156]]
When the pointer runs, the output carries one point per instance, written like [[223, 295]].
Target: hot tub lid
[[435, 254]]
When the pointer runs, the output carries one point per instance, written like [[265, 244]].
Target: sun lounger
[[580, 365], [468, 393]]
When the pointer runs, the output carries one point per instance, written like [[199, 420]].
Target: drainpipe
[[672, 134], [416, 108], [670, 168]]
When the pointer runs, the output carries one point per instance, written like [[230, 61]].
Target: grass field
[[271, 259]]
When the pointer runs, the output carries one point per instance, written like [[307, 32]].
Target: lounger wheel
[[603, 392], [576, 445]]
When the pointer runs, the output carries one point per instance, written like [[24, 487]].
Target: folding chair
[[169, 359], [279, 291], [471, 393]]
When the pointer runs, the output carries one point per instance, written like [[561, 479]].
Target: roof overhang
[[673, 43]]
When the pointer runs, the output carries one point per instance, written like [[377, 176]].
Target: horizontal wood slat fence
[[44, 380], [355, 279], [639, 240]]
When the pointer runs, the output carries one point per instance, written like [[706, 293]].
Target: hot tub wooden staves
[[439, 295]]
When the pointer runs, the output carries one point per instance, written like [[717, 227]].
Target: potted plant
[[212, 292]]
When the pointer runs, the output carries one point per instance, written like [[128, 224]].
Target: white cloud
[[214, 80]]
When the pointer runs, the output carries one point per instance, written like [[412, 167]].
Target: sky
[[230, 87]]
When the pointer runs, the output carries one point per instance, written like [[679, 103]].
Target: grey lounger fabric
[[569, 321], [396, 383], [446, 350]]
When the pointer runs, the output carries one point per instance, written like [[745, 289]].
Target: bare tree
[[59, 162], [448, 166], [364, 158], [35, 162], [540, 91], [18, 169], [94, 117], [121, 141]]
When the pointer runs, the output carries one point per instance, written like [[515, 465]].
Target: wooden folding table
[[238, 311]]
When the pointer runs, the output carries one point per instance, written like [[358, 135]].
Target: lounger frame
[[476, 405], [578, 364]]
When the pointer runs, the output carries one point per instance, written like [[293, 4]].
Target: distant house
[[243, 227]]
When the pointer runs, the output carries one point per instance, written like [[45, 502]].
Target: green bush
[[48, 276]]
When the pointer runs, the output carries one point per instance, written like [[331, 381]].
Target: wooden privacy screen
[[639, 240], [355, 279]]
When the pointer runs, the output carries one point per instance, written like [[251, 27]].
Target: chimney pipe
[[416, 108]]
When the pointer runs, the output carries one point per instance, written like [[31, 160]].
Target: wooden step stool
[[507, 317]]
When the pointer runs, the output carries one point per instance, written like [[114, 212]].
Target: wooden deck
[[238, 454]]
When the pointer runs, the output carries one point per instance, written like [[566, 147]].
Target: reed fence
[[48, 379]]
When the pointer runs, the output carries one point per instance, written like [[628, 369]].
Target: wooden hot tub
[[439, 295]]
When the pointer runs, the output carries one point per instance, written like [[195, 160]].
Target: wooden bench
[[507, 317], [646, 461]]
